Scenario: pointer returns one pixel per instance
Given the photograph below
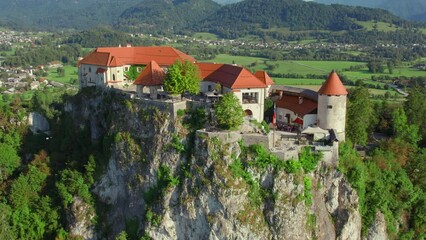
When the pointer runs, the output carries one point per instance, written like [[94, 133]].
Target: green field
[[315, 67], [381, 26], [398, 71], [298, 81], [240, 60], [70, 72], [205, 36], [300, 67]]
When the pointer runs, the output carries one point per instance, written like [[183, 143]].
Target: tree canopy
[[229, 112], [359, 115], [182, 77]]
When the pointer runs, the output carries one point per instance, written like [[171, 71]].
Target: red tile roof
[[119, 56], [262, 75], [229, 76], [100, 70], [333, 86], [291, 102], [152, 75]]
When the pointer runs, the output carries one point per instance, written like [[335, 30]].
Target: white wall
[[309, 120], [332, 113], [256, 108], [117, 71], [87, 76], [204, 86]]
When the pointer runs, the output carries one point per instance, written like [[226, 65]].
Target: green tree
[[359, 115], [229, 112], [390, 67], [121, 236], [9, 161], [60, 71], [415, 109], [402, 129], [6, 231], [181, 77]]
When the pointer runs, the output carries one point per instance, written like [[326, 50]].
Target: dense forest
[[187, 16], [408, 9], [391, 178], [62, 14], [152, 16], [238, 19]]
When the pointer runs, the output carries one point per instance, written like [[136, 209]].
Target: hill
[[248, 16], [409, 9], [61, 14], [165, 15], [224, 2]]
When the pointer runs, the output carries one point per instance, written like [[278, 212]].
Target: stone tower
[[332, 105]]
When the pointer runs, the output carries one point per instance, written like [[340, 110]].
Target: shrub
[[180, 112], [309, 160], [308, 190]]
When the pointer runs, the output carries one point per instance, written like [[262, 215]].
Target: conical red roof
[[152, 75], [333, 86]]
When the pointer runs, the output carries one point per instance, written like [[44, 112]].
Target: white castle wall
[[332, 113]]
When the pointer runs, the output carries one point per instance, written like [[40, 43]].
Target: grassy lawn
[[70, 72], [398, 71], [381, 26], [324, 67], [311, 87], [240, 60], [205, 36], [296, 81]]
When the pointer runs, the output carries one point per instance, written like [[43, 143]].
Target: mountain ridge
[[409, 9], [169, 16]]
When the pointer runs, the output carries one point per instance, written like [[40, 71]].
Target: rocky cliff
[[165, 181]]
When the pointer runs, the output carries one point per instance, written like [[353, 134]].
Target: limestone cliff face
[[201, 198]]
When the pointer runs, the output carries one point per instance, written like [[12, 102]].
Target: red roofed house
[[108, 66], [296, 103], [249, 89], [225, 78], [325, 108]]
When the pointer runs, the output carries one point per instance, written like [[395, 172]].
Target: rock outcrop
[[80, 216], [167, 192], [38, 123]]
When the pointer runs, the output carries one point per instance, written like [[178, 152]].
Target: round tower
[[332, 105]]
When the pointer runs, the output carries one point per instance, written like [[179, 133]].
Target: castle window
[[139, 69], [126, 69], [250, 97], [329, 107]]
